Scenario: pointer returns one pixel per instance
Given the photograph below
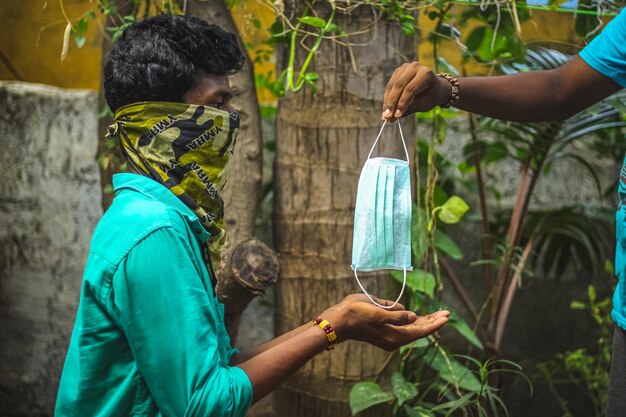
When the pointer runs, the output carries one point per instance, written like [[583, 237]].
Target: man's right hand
[[356, 318], [413, 88]]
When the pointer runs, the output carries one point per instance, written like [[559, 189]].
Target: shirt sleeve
[[606, 53], [165, 310]]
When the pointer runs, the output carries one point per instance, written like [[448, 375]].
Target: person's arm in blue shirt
[[530, 96]]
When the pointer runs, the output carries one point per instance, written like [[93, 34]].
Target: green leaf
[[454, 405], [403, 389], [80, 30], [442, 128], [591, 292], [453, 210], [496, 151], [475, 38], [117, 33], [440, 196], [108, 189], [79, 40], [454, 373], [417, 280], [82, 26], [311, 76], [464, 330], [418, 344], [408, 28], [445, 244], [418, 412], [577, 305], [277, 28], [367, 394], [313, 21]]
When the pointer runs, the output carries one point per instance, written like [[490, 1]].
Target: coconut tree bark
[[242, 193], [323, 141]]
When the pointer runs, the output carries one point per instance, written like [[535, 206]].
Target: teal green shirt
[[149, 337]]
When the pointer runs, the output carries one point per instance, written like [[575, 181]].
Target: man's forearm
[[273, 366], [352, 319], [250, 353]]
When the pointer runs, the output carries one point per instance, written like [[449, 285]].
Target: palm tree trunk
[[323, 140]]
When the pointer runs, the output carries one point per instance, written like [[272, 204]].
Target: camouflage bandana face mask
[[186, 148]]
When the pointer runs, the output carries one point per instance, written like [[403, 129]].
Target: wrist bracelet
[[330, 333], [455, 94]]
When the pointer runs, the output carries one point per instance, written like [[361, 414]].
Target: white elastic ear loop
[[370, 297], [381, 132]]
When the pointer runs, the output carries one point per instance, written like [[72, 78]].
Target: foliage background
[[31, 51], [31, 40]]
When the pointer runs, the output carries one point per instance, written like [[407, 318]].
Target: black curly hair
[[157, 59]]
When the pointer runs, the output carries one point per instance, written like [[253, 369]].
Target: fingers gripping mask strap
[[372, 299]]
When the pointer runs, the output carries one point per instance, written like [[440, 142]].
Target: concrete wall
[[50, 201]]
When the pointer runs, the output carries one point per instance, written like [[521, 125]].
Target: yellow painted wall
[[247, 16], [31, 39]]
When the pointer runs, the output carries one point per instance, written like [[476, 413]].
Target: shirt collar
[[156, 191]]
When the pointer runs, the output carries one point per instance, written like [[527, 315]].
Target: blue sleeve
[[173, 330], [607, 52]]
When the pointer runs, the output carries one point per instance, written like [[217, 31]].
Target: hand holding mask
[[382, 217]]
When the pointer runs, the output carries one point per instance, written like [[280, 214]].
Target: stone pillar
[[50, 201]]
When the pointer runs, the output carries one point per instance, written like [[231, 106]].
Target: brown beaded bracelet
[[455, 94], [330, 333]]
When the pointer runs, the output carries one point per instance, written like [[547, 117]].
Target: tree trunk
[[241, 195], [323, 141]]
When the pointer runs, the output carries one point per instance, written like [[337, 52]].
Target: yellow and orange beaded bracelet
[[330, 333]]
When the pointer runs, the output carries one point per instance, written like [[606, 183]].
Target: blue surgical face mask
[[382, 217]]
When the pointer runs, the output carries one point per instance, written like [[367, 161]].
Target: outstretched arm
[[352, 319], [530, 96]]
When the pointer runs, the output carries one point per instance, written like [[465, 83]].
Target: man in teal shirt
[[149, 337], [597, 72]]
